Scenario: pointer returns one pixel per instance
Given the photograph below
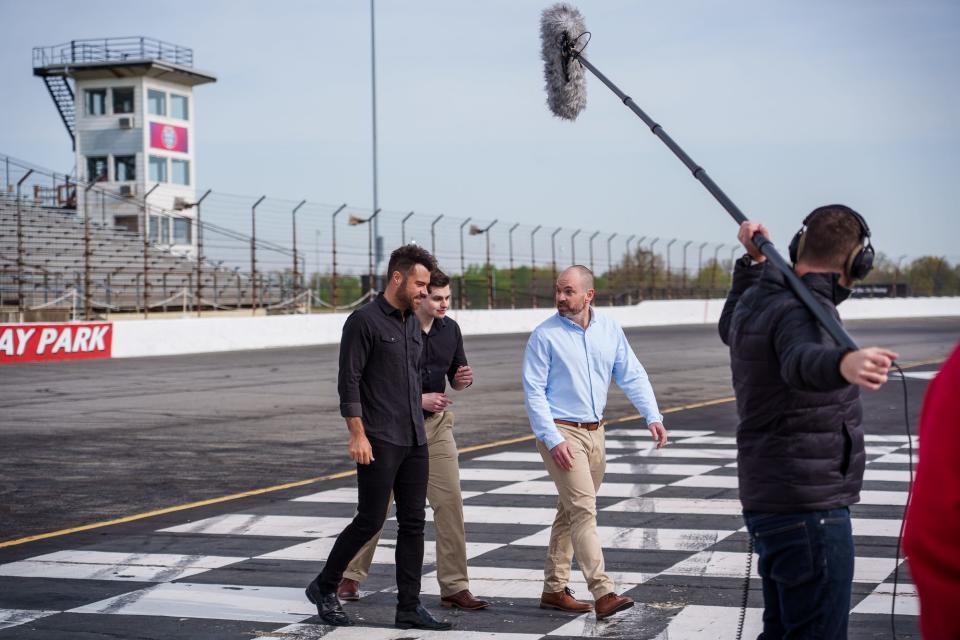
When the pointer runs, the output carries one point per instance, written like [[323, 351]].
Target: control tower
[[129, 113]]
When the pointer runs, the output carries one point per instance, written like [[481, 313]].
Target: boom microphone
[[564, 36]]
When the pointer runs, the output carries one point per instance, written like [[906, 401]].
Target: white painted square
[[648, 449], [701, 622], [907, 603], [306, 631], [509, 582], [893, 498], [679, 505], [643, 432], [548, 488], [721, 440], [104, 565], [282, 605], [733, 564], [506, 515], [655, 468], [317, 550], [895, 458], [239, 524], [513, 456], [887, 475], [641, 539], [888, 528], [629, 624], [708, 482], [872, 437], [13, 617], [348, 495], [879, 450], [917, 375], [502, 475]]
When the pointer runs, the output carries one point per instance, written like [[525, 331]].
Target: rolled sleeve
[[632, 378], [536, 369], [355, 347]]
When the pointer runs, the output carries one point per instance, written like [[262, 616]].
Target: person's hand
[[435, 402], [562, 456], [659, 433], [867, 368], [360, 450], [463, 378], [745, 236]]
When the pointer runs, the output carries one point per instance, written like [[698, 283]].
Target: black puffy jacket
[[800, 437]]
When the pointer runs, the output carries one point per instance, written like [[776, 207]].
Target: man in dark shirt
[[443, 359], [380, 387]]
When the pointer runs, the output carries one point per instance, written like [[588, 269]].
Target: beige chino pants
[[574, 529], [443, 494]]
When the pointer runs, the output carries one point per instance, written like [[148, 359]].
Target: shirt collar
[[571, 323], [386, 307]]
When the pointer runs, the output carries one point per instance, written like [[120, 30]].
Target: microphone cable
[[903, 522]]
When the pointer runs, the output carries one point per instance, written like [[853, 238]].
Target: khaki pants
[[443, 493], [574, 529]]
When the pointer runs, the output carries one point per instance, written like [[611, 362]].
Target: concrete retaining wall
[[191, 335]]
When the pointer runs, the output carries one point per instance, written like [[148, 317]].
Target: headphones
[[859, 262]]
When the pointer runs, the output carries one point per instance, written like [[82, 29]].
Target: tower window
[[123, 100], [179, 107], [96, 102], [157, 102], [181, 231], [124, 168], [180, 172], [97, 169], [158, 169]]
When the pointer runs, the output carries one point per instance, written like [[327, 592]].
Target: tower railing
[[124, 49]]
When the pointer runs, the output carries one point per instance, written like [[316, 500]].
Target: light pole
[[595, 234], [357, 220], [296, 275], [513, 284], [433, 235], [653, 266], [146, 252], [573, 246], [403, 228], [475, 231], [669, 278], [333, 257], [896, 277], [716, 267], [533, 267], [463, 268], [553, 251], [253, 253], [22, 310]]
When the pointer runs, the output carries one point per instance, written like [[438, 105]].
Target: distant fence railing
[[112, 50]]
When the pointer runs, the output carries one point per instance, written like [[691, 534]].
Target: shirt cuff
[[553, 438], [351, 409], [656, 418]]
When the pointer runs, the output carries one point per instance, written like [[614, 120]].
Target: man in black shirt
[[443, 359], [380, 387]]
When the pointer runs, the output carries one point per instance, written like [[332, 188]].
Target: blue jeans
[[806, 563]]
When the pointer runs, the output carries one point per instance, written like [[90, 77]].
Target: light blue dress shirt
[[567, 372]]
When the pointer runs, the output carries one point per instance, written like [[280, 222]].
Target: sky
[[787, 105]]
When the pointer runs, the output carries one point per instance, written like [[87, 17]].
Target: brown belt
[[589, 426]]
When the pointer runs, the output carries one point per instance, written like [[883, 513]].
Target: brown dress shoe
[[563, 601], [348, 590], [463, 600], [611, 603]]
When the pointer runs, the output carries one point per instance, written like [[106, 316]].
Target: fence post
[[333, 242], [198, 294], [21, 306], [253, 254], [433, 235], [403, 228], [296, 280], [533, 267], [669, 278], [463, 281], [513, 284], [553, 252], [87, 253], [146, 252]]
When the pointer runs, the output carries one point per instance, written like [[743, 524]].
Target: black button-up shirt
[[379, 378], [442, 356]]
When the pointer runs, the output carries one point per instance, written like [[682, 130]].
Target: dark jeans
[[806, 563], [403, 470]]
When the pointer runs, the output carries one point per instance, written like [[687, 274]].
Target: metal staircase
[[62, 94]]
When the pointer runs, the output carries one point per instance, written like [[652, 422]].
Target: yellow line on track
[[346, 474]]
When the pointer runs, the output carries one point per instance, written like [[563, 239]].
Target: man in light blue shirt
[[567, 367]]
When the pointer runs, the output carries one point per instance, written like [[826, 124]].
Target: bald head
[[579, 271]]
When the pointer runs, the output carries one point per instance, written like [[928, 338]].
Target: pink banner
[[43, 342], [168, 137]]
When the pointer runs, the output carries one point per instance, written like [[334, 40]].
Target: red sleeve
[[932, 535]]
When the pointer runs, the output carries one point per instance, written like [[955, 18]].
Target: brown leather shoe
[[609, 604], [348, 590], [463, 600], [563, 601]]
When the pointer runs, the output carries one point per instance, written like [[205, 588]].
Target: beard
[[410, 300], [568, 310]]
